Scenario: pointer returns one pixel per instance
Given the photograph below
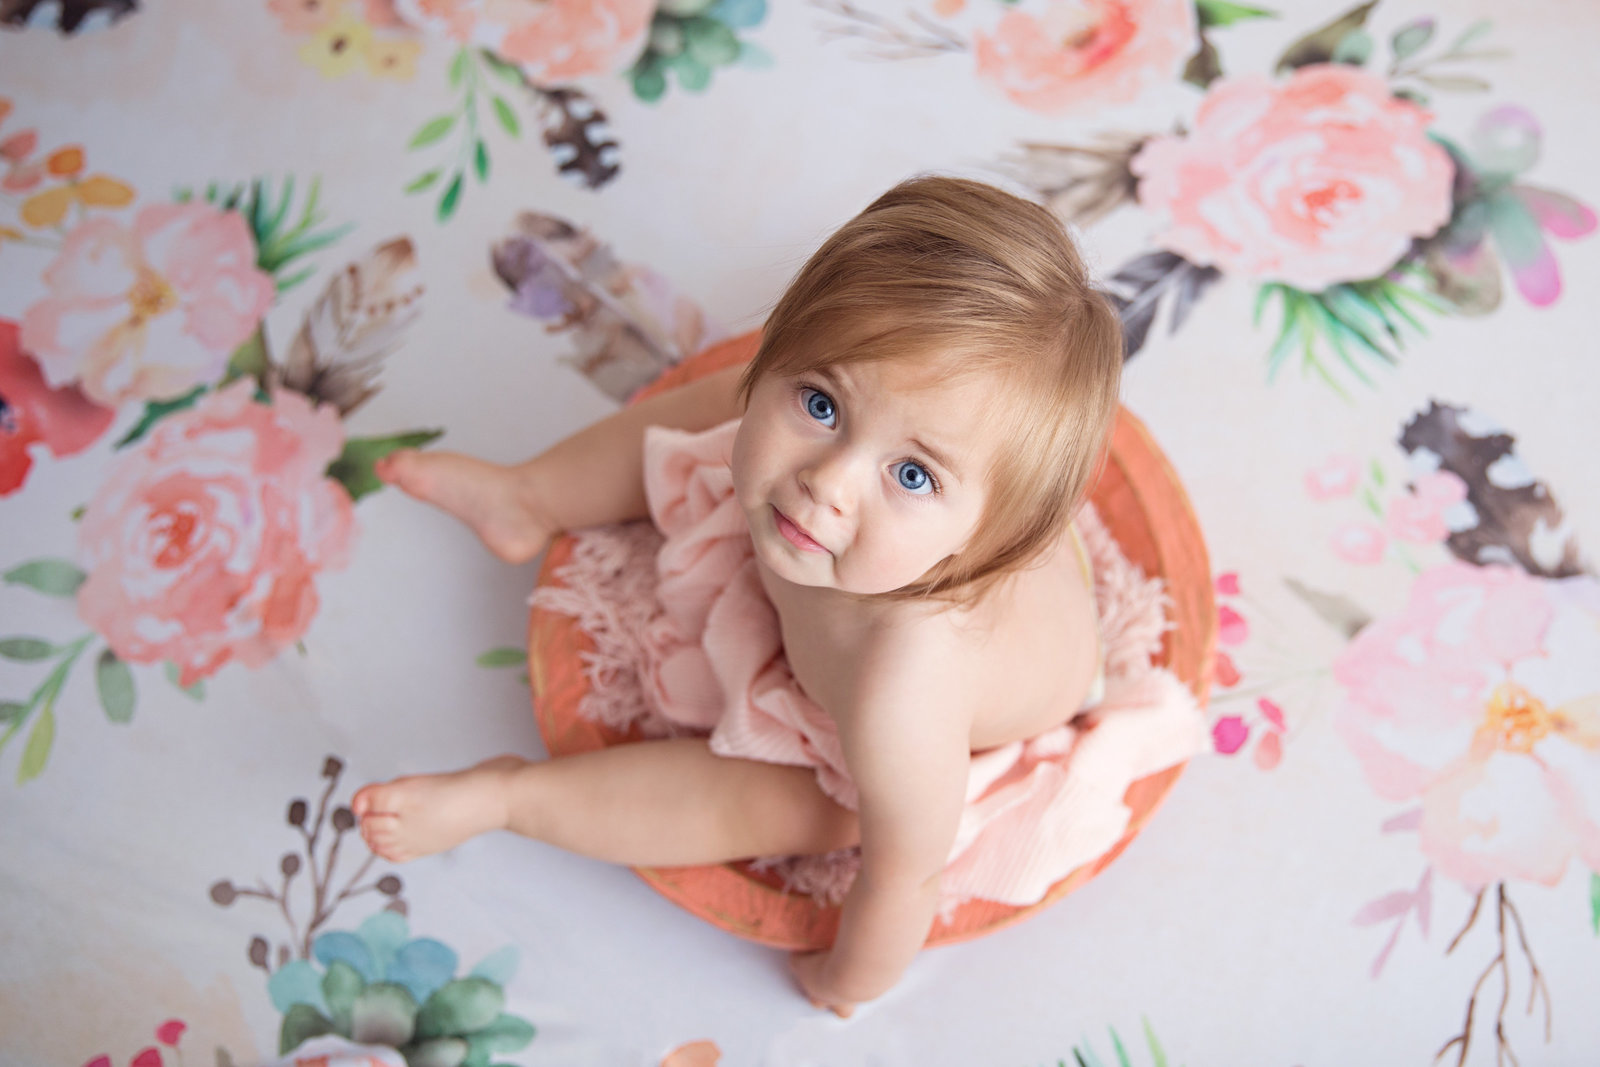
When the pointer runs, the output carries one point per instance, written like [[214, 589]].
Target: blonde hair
[[983, 282]]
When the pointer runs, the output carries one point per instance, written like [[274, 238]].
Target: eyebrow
[[938, 455]]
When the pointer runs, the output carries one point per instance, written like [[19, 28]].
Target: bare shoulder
[[911, 676]]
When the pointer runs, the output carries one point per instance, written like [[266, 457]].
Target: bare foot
[[419, 815], [488, 497]]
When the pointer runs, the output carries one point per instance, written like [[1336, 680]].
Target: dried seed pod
[[343, 819], [332, 767], [258, 951], [297, 812], [223, 893], [389, 885], [289, 865]]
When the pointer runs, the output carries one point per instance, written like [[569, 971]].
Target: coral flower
[[554, 41], [148, 311], [1481, 701], [63, 420], [203, 544], [1322, 179], [1066, 55]]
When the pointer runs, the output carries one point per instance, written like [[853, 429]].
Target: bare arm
[[597, 474], [907, 749]]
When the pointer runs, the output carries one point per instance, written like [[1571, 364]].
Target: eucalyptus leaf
[[383, 1014], [710, 42], [460, 1007], [506, 1033], [423, 181], [1412, 37], [52, 577], [1455, 83], [438, 1052], [114, 682], [26, 649], [1354, 50], [301, 1023], [340, 988]]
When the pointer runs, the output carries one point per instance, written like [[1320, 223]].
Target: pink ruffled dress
[[687, 643]]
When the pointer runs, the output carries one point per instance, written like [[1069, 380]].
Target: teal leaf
[[384, 933], [432, 130], [739, 14], [423, 181], [195, 692], [301, 1023], [499, 966], [155, 411], [439, 1052], [1354, 50], [26, 649], [40, 739], [460, 1007], [340, 946], [503, 657], [422, 966], [353, 468], [1318, 45], [1222, 13], [506, 117], [1410, 38], [296, 982], [480, 161], [709, 43], [1594, 902], [52, 577], [1085, 1055], [383, 1014], [114, 682], [754, 57], [506, 1033], [451, 197], [692, 74], [340, 987], [649, 83]]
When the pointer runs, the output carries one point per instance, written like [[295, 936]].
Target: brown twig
[[898, 43], [1477, 903], [1503, 1050]]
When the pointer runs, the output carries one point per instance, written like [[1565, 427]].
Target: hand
[[808, 969]]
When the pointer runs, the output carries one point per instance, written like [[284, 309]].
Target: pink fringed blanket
[[687, 643]]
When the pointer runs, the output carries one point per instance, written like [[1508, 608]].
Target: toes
[[391, 468]]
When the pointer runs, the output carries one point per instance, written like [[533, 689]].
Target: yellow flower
[[50, 207], [8, 233], [337, 49], [393, 58]]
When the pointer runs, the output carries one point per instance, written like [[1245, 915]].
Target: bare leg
[[654, 803], [498, 502]]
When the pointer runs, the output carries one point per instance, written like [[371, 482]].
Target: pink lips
[[795, 535]]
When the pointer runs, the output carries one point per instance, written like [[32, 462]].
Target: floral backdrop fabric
[[247, 250]]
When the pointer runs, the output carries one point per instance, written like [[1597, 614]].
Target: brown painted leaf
[[358, 321], [627, 323], [1080, 183], [1342, 613], [1519, 522], [1318, 46], [69, 15]]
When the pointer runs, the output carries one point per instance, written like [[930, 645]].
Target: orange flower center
[[1515, 719], [176, 528], [151, 296], [1321, 201], [1095, 32]]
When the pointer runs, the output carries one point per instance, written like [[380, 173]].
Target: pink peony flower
[[152, 310], [1481, 699], [1418, 517], [1232, 629], [1359, 542], [553, 41], [1325, 178], [203, 545], [1228, 583], [1334, 477], [1079, 55], [63, 420]]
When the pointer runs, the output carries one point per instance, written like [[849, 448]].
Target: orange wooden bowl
[[1145, 509]]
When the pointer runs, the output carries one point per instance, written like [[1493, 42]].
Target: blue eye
[[913, 477], [819, 406]]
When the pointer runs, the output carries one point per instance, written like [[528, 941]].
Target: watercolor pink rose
[[1480, 700], [553, 41], [1322, 178], [151, 310], [63, 420], [1065, 56], [203, 545]]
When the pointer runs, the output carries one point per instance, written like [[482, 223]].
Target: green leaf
[[353, 468], [1354, 50], [114, 681], [1455, 83], [692, 74], [195, 692], [503, 657], [432, 130], [649, 83], [1369, 500], [1122, 1053], [27, 649], [460, 1006], [1158, 1058], [383, 1014], [506, 1033], [423, 181], [1318, 45], [52, 577], [506, 116], [40, 738], [1470, 36], [1222, 13], [458, 67], [156, 410], [480, 161], [447, 202], [301, 1023], [709, 42], [439, 1052], [1085, 1055], [1594, 902], [1378, 477], [285, 284], [10, 711], [507, 72], [250, 359], [340, 988], [1410, 38]]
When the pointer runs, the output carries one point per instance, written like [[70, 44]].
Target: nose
[[828, 477]]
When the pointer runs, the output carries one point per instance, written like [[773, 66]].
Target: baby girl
[[928, 408]]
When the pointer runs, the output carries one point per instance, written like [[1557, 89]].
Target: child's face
[[862, 477]]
